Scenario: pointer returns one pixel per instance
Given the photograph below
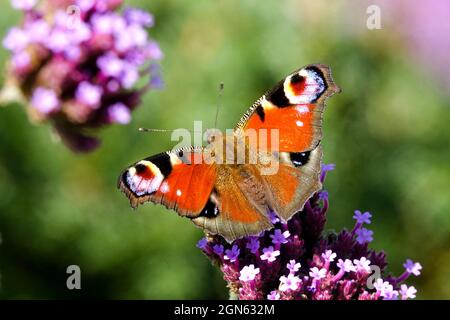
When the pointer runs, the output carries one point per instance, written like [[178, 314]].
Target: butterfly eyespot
[[140, 168], [299, 158]]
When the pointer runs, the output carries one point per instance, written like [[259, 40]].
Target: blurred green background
[[387, 132]]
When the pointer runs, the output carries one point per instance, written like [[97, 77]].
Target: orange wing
[[211, 195], [294, 107], [180, 180]]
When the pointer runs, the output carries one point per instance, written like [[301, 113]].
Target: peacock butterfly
[[232, 198]]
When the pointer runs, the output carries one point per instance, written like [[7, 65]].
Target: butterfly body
[[271, 162]]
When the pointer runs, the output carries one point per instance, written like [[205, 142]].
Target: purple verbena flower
[[44, 100], [346, 265], [297, 260], [323, 195], [364, 235], [293, 266], [23, 4], [218, 249], [289, 282], [273, 217], [89, 94], [270, 254], [279, 237], [253, 244], [202, 243], [232, 254], [248, 273], [81, 72], [362, 217], [119, 113], [407, 292], [317, 273], [412, 267], [273, 295], [362, 265], [328, 256]]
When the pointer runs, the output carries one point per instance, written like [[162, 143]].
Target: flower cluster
[[296, 260], [81, 64]]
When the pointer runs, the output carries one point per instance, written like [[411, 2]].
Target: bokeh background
[[387, 133]]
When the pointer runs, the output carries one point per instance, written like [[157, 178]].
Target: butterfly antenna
[[161, 130], [153, 130], [219, 103]]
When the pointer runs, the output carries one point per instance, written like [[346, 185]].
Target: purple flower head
[[273, 295], [248, 273], [82, 62], [232, 254], [253, 244], [44, 100], [218, 249], [364, 235], [407, 292], [317, 273], [272, 267], [279, 237], [293, 266], [362, 217], [290, 282], [412, 267], [270, 254]]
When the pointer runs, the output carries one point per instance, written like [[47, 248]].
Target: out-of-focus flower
[[80, 70], [424, 30], [298, 260]]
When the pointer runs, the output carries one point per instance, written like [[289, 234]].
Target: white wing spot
[[299, 123], [302, 109], [178, 192], [165, 187]]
